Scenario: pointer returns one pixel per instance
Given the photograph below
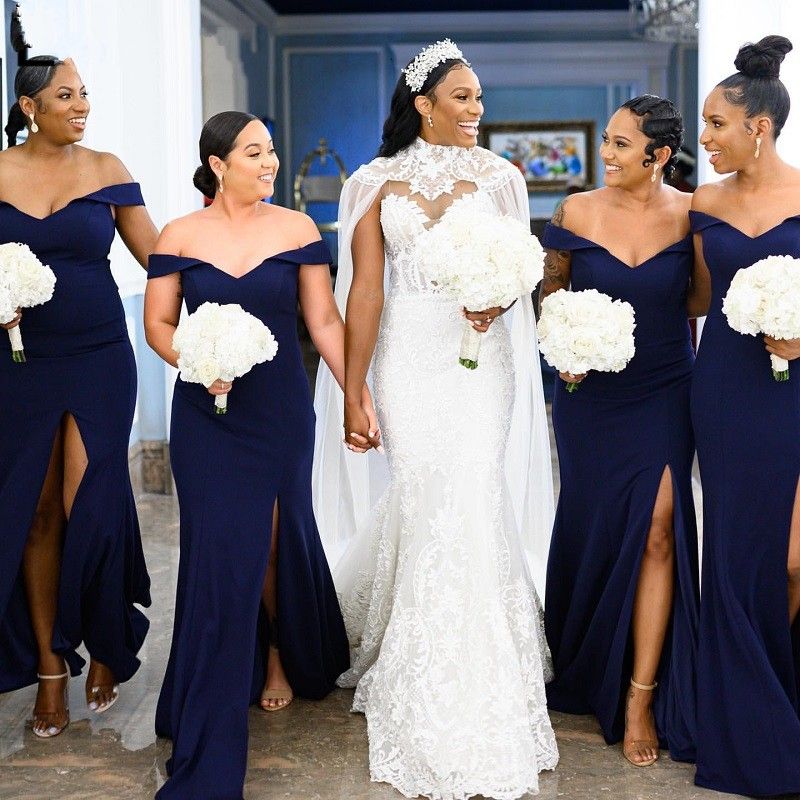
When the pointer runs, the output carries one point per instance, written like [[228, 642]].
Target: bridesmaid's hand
[[783, 348], [220, 387], [14, 322], [481, 320], [568, 377]]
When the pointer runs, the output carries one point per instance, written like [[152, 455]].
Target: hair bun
[[763, 59], [205, 181]]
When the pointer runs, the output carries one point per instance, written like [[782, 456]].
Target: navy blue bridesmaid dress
[[80, 361], [229, 472], [747, 427], [615, 436]]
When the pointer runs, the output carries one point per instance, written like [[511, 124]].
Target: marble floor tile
[[310, 751]]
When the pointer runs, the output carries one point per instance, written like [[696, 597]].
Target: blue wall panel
[[336, 95]]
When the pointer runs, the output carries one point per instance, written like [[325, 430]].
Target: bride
[[449, 658]]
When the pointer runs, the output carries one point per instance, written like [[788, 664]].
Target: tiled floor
[[311, 750]]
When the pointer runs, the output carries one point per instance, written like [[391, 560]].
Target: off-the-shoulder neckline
[[86, 196], [617, 258], [274, 257], [739, 230]]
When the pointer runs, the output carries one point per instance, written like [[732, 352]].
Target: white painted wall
[[725, 25], [140, 61]]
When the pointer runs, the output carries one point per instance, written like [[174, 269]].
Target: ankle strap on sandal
[[644, 686], [52, 677]]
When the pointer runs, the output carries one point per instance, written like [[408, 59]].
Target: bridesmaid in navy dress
[[622, 595], [253, 582], [71, 563], [747, 427]]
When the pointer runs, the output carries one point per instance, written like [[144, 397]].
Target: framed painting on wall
[[550, 155]]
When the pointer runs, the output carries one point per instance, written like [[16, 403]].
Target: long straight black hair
[[402, 124]]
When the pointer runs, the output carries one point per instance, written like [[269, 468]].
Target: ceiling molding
[[255, 11], [643, 64], [452, 23]]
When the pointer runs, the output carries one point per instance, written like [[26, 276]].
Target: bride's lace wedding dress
[[449, 658]]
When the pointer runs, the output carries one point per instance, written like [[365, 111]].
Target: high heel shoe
[[52, 730], [92, 692], [99, 708], [629, 749]]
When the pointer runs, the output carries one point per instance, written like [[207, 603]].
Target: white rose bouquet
[[765, 298], [24, 282], [221, 341], [483, 261], [580, 331]]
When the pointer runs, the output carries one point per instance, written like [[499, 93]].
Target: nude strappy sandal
[[52, 730], [97, 707], [276, 694], [630, 750]]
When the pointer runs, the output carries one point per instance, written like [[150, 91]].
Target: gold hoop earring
[[654, 176], [430, 121], [34, 126], [758, 146]]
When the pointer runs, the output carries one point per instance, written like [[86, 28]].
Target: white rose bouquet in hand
[[579, 331], [24, 282], [221, 342], [483, 261], [765, 298]]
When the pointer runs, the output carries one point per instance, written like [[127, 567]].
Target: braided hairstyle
[[662, 124], [757, 85]]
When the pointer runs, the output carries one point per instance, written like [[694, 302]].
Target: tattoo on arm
[[556, 272], [558, 214], [556, 262]]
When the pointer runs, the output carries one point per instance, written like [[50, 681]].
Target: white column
[[140, 62], [725, 25]]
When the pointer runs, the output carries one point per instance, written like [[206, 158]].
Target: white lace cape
[[346, 485]]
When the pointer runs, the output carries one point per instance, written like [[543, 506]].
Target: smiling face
[[623, 151], [60, 109], [456, 109], [728, 135], [249, 170]]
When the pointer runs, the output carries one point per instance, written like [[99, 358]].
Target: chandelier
[[665, 20]]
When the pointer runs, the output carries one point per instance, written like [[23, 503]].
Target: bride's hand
[[481, 320], [369, 410], [14, 322], [359, 435]]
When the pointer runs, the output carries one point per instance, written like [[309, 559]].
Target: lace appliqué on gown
[[449, 657]]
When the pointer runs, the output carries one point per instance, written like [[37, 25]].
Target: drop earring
[[221, 188], [654, 176], [758, 146], [35, 127], [430, 121]]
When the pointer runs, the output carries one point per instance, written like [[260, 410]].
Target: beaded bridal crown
[[425, 62]]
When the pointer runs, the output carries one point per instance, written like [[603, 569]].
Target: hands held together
[[361, 431]]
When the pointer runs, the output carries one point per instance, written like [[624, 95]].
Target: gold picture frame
[[550, 155]]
